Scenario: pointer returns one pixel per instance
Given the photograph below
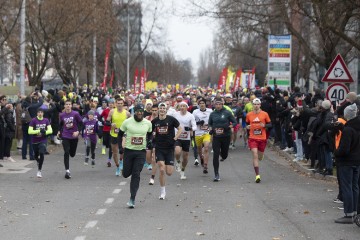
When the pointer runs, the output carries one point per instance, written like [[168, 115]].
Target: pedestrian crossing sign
[[338, 72]]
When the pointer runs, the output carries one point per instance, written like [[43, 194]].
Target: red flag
[[142, 81], [237, 80], [222, 79], [106, 63], [135, 81]]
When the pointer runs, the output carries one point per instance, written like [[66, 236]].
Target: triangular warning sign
[[338, 72]]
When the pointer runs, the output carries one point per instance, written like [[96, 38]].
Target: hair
[[154, 106]]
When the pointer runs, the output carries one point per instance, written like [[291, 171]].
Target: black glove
[[107, 123], [149, 145], [43, 132], [187, 129], [211, 132]]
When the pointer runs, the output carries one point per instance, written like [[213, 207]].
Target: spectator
[[18, 128], [7, 113]]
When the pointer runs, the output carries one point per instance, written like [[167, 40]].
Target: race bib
[[184, 135], [257, 131], [69, 125], [219, 131], [163, 130], [90, 131], [137, 140], [204, 127]]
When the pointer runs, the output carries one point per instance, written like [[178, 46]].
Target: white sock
[[162, 190], [68, 170]]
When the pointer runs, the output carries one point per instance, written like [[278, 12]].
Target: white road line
[[122, 183], [116, 191], [80, 238], [109, 201], [101, 211], [91, 224]]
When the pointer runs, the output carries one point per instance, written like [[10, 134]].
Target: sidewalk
[[300, 165]]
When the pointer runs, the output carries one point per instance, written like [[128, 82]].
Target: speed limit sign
[[337, 92]]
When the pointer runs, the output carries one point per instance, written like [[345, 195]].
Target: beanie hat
[[148, 101], [351, 96], [326, 104], [350, 112], [91, 112]]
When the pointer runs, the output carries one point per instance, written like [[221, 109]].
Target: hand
[[76, 134], [248, 127], [262, 124], [113, 125], [43, 132]]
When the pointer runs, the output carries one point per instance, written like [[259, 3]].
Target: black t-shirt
[[146, 113], [164, 131]]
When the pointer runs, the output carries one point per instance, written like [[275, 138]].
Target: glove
[[149, 145], [187, 129], [211, 132], [43, 132], [107, 123]]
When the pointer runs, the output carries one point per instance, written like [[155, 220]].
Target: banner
[[106, 63], [229, 79], [237, 80], [222, 79], [252, 78], [135, 81], [142, 81], [279, 61]]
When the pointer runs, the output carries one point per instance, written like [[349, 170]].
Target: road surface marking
[[122, 183], [101, 211], [91, 224], [109, 201], [116, 191], [80, 238]]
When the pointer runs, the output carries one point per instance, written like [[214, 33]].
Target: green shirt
[[136, 133], [249, 107]]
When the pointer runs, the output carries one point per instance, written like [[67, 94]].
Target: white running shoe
[[177, 166], [196, 163], [11, 159], [152, 181], [39, 174], [162, 196], [182, 175]]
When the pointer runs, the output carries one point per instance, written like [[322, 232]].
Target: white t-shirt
[[202, 116], [186, 120]]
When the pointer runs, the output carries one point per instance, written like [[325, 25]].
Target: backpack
[[25, 116]]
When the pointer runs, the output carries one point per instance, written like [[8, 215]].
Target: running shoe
[[162, 196], [109, 163], [205, 170], [10, 159], [196, 163], [117, 173], [93, 163], [336, 200], [182, 175], [146, 165], [221, 160], [131, 203], [216, 178], [103, 151], [177, 167], [67, 175], [149, 167], [152, 181], [257, 179], [86, 162], [39, 174]]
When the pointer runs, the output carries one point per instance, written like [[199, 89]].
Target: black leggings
[[107, 142], [220, 146], [7, 146], [90, 146], [133, 164], [69, 146], [39, 151]]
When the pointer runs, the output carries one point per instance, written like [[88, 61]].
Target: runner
[[39, 128], [164, 142], [90, 131], [70, 123], [219, 124], [202, 136], [150, 151], [115, 119], [257, 122], [182, 144], [106, 130], [99, 110], [237, 111], [138, 130]]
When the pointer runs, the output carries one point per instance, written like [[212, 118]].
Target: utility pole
[[22, 48], [128, 50], [94, 63]]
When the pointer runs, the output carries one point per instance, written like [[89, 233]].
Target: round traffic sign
[[337, 92]]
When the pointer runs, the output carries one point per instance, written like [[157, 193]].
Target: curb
[[301, 167]]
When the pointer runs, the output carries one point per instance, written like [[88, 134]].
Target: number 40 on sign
[[337, 92]]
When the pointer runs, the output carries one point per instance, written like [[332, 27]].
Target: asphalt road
[[92, 205]]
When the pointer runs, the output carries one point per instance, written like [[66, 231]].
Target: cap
[[162, 105], [326, 104], [350, 112], [256, 100], [228, 95], [91, 112], [40, 109], [139, 107], [184, 103]]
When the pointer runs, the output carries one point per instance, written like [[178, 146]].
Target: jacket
[[348, 152], [222, 119]]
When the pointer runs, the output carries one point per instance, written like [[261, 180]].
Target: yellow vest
[[118, 118]]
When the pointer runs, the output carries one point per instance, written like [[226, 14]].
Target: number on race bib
[[257, 131], [219, 131], [137, 140]]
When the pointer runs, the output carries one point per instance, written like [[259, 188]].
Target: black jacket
[[348, 152], [9, 122]]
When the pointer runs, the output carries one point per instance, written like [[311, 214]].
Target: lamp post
[[22, 48]]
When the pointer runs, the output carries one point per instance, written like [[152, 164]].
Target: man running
[[220, 122], [106, 130], [257, 122], [115, 119], [164, 141], [150, 151], [39, 128], [182, 144], [138, 130], [70, 123], [202, 136]]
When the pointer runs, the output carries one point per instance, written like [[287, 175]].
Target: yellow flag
[[230, 79]]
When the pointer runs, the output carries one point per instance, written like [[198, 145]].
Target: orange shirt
[[255, 119]]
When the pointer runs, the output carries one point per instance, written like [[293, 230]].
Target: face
[[155, 111], [3, 101], [148, 107], [202, 105], [104, 104], [183, 108], [218, 105], [111, 105], [227, 99], [91, 117], [256, 106], [139, 115], [162, 110], [234, 103], [246, 100], [154, 101], [68, 106], [40, 114], [119, 103]]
